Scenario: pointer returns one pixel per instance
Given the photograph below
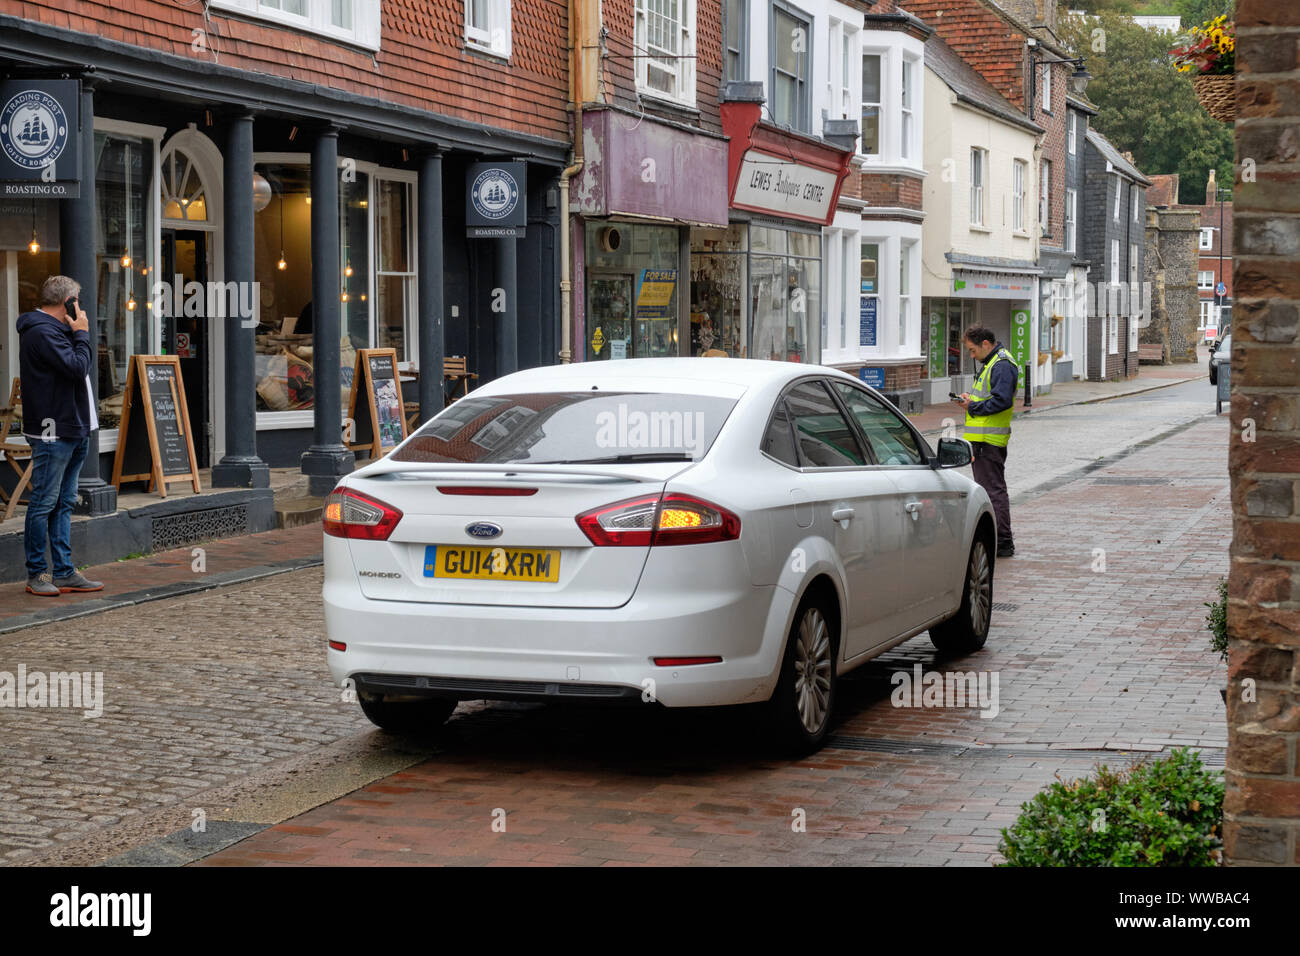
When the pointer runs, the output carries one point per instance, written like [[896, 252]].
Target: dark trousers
[[989, 467]]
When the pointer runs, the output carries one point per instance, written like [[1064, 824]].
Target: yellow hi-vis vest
[[994, 429]]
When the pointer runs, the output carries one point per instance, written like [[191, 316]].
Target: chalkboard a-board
[[155, 444], [375, 404]]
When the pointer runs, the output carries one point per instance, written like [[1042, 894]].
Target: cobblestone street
[[228, 688]]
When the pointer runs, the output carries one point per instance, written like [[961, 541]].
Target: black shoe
[[1006, 550]]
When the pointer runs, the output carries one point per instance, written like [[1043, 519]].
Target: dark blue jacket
[[1002, 383], [53, 362]]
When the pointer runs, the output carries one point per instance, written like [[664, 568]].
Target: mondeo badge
[[483, 529]]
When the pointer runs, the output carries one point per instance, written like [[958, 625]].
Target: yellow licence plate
[[494, 564]]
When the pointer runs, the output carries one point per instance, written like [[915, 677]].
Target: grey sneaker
[[42, 586], [77, 582]]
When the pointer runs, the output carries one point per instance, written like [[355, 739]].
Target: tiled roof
[[970, 87], [1103, 145]]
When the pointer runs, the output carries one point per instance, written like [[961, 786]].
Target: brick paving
[[1105, 660]]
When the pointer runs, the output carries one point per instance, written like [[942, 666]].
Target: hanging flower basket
[[1209, 51], [1217, 95]]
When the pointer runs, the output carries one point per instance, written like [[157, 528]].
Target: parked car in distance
[[1223, 333], [680, 531], [1221, 356]]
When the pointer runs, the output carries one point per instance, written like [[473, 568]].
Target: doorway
[[185, 335]]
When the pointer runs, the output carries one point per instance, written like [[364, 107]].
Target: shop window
[[123, 170], [352, 21], [665, 47], [487, 26], [785, 294], [282, 267], [718, 284], [631, 292], [948, 320], [790, 95], [737, 40], [394, 267], [871, 103]]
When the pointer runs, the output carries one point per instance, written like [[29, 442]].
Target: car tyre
[[422, 715], [1214, 371], [800, 709], [967, 630]]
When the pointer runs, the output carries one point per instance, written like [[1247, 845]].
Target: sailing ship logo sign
[[495, 194], [33, 129]]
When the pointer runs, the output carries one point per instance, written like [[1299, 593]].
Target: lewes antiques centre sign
[[496, 200], [40, 138], [774, 185]]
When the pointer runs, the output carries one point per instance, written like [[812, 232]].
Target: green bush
[[1164, 812], [1216, 622]]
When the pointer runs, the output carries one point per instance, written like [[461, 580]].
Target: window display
[[631, 291], [718, 282]]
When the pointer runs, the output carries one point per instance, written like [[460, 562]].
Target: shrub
[[1164, 812], [1216, 622]]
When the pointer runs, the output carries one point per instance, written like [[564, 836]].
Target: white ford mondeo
[[691, 532]]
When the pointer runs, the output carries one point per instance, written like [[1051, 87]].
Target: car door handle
[[842, 514], [914, 509]]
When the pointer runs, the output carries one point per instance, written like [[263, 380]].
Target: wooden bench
[[17, 454], [1152, 353]]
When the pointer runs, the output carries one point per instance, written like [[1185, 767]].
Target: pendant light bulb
[[282, 265], [126, 260], [130, 303]]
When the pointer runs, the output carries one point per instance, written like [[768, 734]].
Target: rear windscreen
[[571, 428]]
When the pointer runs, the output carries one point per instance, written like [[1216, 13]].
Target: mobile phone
[[953, 395], [70, 303]]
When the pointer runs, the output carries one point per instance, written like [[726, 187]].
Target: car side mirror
[[953, 453]]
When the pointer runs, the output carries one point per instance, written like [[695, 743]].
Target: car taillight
[[652, 520], [350, 514]]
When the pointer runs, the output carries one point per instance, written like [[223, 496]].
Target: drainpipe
[[566, 283]]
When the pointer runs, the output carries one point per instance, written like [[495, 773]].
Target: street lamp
[[1219, 283], [1078, 79]]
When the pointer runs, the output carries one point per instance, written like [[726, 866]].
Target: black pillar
[[240, 467], [77, 261], [504, 306], [327, 459], [432, 343]]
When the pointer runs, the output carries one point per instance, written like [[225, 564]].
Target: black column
[[327, 459], [505, 308], [240, 467], [77, 261], [429, 229]]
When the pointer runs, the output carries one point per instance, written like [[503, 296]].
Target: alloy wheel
[[979, 583], [812, 688]]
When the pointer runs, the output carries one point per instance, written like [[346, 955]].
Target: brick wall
[[1262, 804], [900, 377], [983, 38], [889, 189], [422, 61]]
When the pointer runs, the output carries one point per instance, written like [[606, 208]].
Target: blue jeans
[[56, 466]]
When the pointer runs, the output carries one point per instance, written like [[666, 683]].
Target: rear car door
[[933, 501], [855, 507]]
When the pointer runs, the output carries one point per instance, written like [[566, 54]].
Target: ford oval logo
[[483, 529]]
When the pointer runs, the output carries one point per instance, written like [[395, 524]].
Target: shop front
[[1003, 301], [757, 284], [645, 185]]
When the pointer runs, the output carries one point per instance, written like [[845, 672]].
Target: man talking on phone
[[988, 424], [54, 361]]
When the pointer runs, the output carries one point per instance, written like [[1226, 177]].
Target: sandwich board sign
[[155, 442], [375, 404]]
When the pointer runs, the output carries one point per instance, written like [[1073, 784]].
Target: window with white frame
[[487, 26], [394, 266], [351, 21], [1207, 313], [1019, 173], [840, 69], [1134, 296], [1071, 219], [665, 48], [791, 57], [1072, 125], [1045, 197], [908, 129], [1136, 195], [978, 164], [1113, 322], [737, 40], [904, 291], [871, 100], [1047, 88], [1114, 262], [1119, 189], [1207, 239], [1205, 280]]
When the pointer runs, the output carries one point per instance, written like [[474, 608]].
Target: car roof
[[651, 373]]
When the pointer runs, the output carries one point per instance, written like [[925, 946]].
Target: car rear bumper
[[488, 652]]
